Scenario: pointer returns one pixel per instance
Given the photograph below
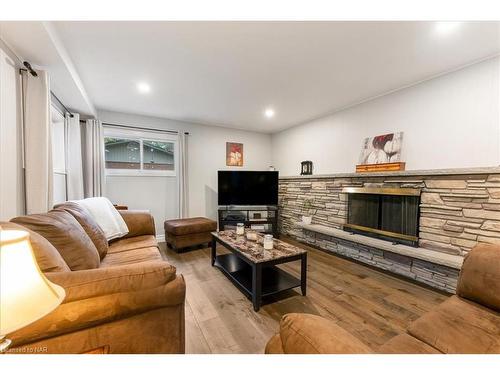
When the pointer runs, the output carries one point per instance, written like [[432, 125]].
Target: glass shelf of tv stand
[[246, 213], [248, 208], [268, 229], [229, 216]]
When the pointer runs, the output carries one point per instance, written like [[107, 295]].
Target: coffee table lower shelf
[[274, 280]]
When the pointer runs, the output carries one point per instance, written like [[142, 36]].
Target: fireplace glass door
[[392, 217]]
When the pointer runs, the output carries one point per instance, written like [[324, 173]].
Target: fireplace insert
[[385, 213]]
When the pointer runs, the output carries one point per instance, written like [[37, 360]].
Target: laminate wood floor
[[372, 305]]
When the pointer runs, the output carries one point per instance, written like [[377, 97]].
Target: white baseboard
[[160, 237]]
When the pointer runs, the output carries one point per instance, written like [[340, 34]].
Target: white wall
[[11, 172], [157, 194], [207, 155], [451, 121]]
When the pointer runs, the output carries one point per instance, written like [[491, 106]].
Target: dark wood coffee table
[[253, 270]]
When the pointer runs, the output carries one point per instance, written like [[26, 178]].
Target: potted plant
[[308, 205]]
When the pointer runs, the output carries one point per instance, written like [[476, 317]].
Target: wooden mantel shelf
[[420, 172], [448, 260]]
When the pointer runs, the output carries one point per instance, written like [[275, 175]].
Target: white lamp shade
[[25, 293]]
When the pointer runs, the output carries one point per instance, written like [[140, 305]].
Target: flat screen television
[[248, 188]]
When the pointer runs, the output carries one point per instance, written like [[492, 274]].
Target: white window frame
[[56, 171], [140, 136]]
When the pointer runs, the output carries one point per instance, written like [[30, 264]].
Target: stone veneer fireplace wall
[[458, 209]]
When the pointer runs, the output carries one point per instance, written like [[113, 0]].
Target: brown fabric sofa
[[125, 298], [468, 322]]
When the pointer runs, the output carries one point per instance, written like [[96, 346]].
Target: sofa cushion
[[406, 344], [459, 326], [479, 278], [47, 256], [88, 224], [144, 254], [62, 230], [312, 334], [180, 227], [126, 244]]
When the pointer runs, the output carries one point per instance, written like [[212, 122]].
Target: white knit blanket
[[106, 216]]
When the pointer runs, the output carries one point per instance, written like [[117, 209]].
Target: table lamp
[[26, 295]]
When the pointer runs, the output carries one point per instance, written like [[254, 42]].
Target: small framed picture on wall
[[234, 154]]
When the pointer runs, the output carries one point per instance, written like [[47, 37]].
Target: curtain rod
[[141, 128], [62, 105], [29, 69]]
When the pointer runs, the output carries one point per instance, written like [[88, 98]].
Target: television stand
[[262, 219]]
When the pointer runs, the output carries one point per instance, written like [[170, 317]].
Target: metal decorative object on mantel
[[381, 153], [306, 167]]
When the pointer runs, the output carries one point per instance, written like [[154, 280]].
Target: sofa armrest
[[312, 334], [96, 282], [274, 345], [479, 279], [139, 223], [94, 298]]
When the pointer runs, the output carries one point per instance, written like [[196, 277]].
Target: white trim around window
[[141, 136]]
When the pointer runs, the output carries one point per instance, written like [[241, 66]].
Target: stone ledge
[[448, 260], [422, 172]]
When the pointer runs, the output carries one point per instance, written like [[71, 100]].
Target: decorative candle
[[240, 229], [251, 236], [268, 242]]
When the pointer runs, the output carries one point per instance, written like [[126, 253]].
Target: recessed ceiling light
[[446, 27], [269, 113], [143, 87]]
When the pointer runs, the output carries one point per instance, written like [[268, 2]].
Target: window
[[58, 155], [130, 152], [158, 155], [122, 153]]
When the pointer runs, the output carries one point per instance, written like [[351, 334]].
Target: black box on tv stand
[[236, 217]]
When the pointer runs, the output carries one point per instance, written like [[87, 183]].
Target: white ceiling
[[227, 73], [38, 43]]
